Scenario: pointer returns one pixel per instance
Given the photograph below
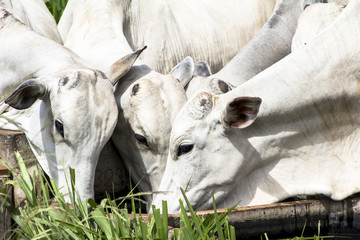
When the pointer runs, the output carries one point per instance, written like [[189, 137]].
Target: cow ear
[[242, 112], [184, 71], [202, 69], [123, 65], [26, 94]]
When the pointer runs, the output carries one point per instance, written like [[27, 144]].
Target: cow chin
[[197, 201], [171, 199]]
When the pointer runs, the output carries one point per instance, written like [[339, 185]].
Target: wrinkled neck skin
[[172, 27], [167, 27], [272, 43], [269, 45], [97, 25], [20, 45], [304, 139]]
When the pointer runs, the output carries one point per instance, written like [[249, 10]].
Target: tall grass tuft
[[46, 215], [56, 7]]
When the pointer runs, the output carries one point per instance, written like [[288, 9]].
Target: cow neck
[[257, 55], [29, 54], [172, 26], [102, 24], [309, 115]]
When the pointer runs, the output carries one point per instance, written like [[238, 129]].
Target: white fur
[[101, 31], [206, 30], [314, 19], [305, 139], [34, 14], [270, 44]]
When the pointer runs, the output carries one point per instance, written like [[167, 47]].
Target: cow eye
[[184, 148], [59, 127], [141, 139]]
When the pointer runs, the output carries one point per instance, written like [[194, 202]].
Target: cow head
[[68, 117], [200, 143], [147, 110]]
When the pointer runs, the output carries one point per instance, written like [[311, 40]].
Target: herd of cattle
[[278, 118]]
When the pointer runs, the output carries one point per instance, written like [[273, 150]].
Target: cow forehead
[[198, 113], [151, 104], [77, 78], [86, 81], [84, 96], [157, 83], [150, 98]]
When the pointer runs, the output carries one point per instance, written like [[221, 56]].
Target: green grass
[[40, 218], [56, 7], [315, 237], [46, 215]]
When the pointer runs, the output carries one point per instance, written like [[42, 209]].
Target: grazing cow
[[204, 29], [313, 20], [147, 100], [142, 133], [66, 109], [272, 43], [34, 14], [292, 129]]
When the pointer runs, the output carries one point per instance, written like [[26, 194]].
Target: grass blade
[[195, 219]]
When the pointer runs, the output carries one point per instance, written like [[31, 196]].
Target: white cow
[[314, 19], [272, 43], [142, 133], [206, 30], [34, 14], [66, 109], [302, 139], [147, 100]]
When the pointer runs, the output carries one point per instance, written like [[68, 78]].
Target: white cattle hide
[[206, 30], [341, 2], [34, 14], [303, 139], [271, 43], [66, 109], [313, 20], [147, 100]]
